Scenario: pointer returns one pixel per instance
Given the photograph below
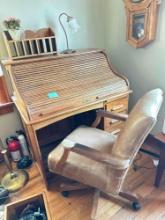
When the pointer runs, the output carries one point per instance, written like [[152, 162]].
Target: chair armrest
[[108, 114], [107, 159]]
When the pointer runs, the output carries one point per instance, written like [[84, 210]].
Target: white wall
[[40, 13], [144, 67], [9, 123]]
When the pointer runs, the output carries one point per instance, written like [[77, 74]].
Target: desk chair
[[96, 158]]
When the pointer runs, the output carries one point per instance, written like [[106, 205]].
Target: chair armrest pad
[[114, 162], [108, 114]]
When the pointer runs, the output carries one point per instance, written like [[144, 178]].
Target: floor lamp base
[[15, 181]]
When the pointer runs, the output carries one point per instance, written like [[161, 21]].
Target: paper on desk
[[53, 94]]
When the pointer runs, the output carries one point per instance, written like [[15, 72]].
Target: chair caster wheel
[[65, 193], [136, 206]]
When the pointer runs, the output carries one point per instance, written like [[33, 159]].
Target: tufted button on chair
[[96, 158]]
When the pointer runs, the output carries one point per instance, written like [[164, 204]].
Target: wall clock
[[141, 21]]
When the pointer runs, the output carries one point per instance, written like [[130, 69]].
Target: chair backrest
[[140, 122]]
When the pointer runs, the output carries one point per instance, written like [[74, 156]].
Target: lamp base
[[68, 51], [15, 181]]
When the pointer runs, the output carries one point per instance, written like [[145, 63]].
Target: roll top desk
[[49, 89]]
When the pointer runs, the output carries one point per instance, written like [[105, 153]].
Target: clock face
[[136, 1], [138, 29]]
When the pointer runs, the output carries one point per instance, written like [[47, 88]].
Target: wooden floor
[[78, 205]]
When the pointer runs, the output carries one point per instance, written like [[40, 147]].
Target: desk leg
[[37, 152], [31, 148], [161, 167]]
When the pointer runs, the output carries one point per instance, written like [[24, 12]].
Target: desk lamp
[[14, 180], [72, 22]]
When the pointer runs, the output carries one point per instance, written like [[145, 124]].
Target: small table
[[160, 139]]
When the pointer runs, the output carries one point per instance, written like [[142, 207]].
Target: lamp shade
[[74, 26]]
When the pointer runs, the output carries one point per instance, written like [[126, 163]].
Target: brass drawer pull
[[116, 131], [117, 107], [113, 121]]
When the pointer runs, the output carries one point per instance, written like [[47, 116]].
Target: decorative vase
[[15, 34]]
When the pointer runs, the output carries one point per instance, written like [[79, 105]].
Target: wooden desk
[[82, 81]]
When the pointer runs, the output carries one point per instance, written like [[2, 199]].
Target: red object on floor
[[14, 148]]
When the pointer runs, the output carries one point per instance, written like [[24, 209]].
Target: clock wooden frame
[[146, 10]]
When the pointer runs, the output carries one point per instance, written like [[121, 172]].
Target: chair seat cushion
[[78, 167]]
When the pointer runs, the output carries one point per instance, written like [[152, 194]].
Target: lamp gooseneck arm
[[64, 28]]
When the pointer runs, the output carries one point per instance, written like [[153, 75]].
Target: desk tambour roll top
[[74, 81]]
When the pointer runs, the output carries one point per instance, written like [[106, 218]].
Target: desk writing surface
[[76, 81]]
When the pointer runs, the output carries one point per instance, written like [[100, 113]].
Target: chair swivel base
[[65, 190]]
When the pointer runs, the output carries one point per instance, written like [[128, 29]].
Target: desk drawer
[[112, 125], [117, 105], [120, 106], [113, 128]]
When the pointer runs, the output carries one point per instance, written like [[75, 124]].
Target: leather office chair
[[96, 158]]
